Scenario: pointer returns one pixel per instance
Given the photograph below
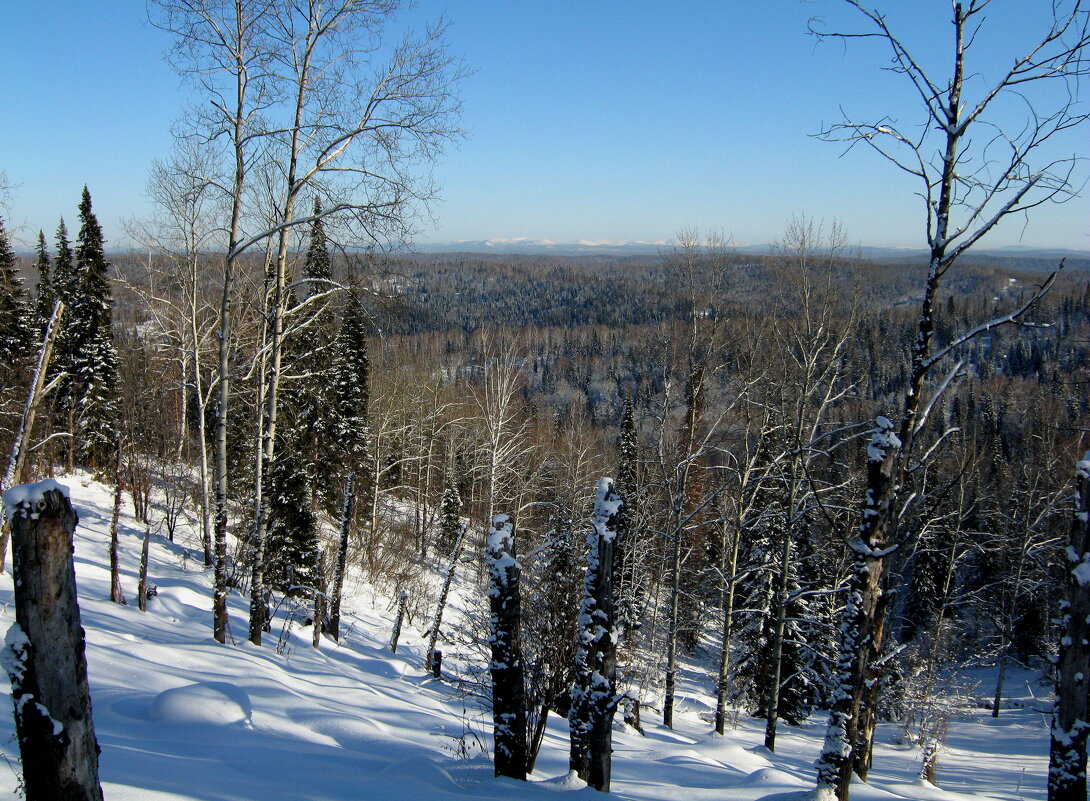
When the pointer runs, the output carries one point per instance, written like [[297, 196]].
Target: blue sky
[[598, 121]]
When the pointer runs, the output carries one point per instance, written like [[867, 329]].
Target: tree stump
[[44, 654]]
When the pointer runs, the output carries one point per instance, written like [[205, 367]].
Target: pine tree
[[91, 350], [16, 325]]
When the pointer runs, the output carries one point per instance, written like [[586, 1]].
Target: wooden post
[[44, 653]]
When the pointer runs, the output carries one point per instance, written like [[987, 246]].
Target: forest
[[832, 487]]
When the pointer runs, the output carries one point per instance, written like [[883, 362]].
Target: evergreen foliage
[[346, 427], [46, 295], [93, 358], [291, 551], [16, 324], [450, 511]]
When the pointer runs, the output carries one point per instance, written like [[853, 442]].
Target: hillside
[[180, 717]]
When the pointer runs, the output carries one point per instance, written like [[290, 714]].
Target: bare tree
[[972, 171], [310, 88]]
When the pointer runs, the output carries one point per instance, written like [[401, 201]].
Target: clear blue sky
[[606, 120]]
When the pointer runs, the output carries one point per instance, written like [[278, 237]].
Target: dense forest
[[731, 398]]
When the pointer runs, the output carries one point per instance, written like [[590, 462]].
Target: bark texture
[[44, 654], [594, 695], [1067, 753], [508, 684]]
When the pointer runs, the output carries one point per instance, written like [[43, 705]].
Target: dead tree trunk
[[594, 695], [508, 686], [45, 656], [863, 626], [333, 624], [1067, 753]]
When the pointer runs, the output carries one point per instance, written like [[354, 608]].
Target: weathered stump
[[45, 657]]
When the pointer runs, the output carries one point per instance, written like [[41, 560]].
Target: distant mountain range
[[1018, 255]]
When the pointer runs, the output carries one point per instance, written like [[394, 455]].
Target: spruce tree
[[309, 355], [16, 325], [450, 511], [347, 430], [93, 357], [291, 551], [46, 295]]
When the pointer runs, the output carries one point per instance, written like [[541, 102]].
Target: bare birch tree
[[972, 169]]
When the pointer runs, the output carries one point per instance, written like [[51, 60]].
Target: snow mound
[[206, 703], [564, 783], [420, 770], [773, 776]]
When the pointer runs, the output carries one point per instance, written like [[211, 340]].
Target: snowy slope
[[179, 716]]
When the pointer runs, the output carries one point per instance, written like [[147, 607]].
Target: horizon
[[612, 124]]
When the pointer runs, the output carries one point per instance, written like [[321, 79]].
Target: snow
[[28, 496], [204, 703], [882, 440], [180, 717]]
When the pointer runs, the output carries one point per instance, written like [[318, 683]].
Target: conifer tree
[[347, 430], [16, 326], [308, 354], [91, 350], [45, 295], [291, 552], [450, 511]]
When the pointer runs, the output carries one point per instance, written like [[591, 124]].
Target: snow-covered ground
[[179, 716]]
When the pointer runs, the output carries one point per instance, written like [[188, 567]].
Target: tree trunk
[[333, 625], [508, 686], [46, 661], [433, 635], [863, 625], [117, 595], [772, 703], [320, 601], [594, 695], [402, 601], [672, 623], [722, 686], [1067, 752], [142, 587]]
